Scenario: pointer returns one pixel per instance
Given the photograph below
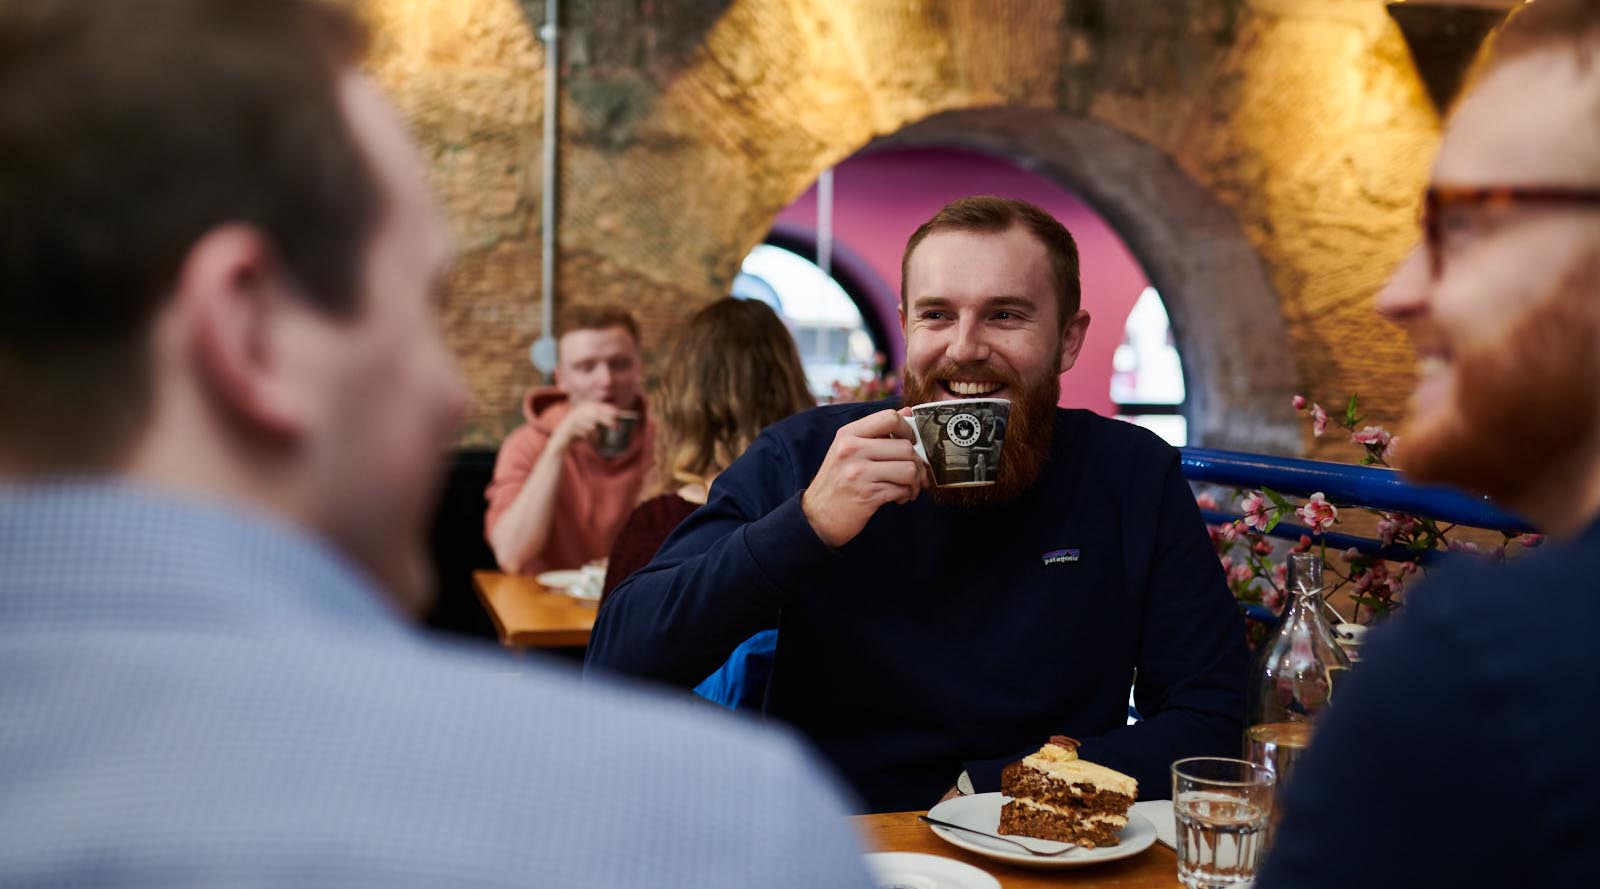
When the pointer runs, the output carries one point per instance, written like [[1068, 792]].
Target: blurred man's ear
[[234, 292]]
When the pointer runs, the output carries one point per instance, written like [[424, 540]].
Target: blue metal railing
[[1340, 483]]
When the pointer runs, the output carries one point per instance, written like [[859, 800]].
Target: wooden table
[[1154, 868], [528, 615]]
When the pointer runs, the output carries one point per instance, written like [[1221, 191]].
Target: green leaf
[[1272, 520], [1278, 500], [1350, 417]]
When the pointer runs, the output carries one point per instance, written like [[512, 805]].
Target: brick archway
[[1226, 316]]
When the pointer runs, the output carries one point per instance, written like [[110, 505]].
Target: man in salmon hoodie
[[559, 497]]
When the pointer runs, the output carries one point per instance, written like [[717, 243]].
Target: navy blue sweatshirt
[[944, 638], [1461, 750]]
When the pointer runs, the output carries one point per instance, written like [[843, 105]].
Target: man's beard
[[1029, 430], [1520, 404]]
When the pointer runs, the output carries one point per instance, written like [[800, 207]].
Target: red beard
[[1522, 403], [1029, 430]]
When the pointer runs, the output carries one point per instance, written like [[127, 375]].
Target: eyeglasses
[[1439, 199]]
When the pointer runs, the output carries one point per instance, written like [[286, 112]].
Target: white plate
[[982, 812], [560, 580], [914, 870]]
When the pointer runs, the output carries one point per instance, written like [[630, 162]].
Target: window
[[1147, 375], [834, 342]]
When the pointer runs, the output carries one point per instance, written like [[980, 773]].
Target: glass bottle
[[1296, 669]]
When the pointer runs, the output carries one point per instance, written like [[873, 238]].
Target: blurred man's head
[[220, 266], [989, 304], [597, 356], [1502, 297]]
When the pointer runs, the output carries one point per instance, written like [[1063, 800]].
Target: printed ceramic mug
[[961, 440], [613, 441]]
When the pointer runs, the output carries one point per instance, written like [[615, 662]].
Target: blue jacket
[[944, 638]]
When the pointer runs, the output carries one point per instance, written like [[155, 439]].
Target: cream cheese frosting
[[1117, 821], [1072, 770]]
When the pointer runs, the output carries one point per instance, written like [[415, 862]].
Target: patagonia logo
[[1061, 557]]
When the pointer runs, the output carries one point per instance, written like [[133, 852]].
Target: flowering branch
[[1254, 572]]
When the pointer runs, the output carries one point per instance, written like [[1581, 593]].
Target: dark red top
[[642, 534]]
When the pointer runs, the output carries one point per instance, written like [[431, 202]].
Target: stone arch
[[686, 127], [1226, 315]]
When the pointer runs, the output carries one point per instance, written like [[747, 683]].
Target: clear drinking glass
[[1222, 808]]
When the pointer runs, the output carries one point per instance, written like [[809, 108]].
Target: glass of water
[[1222, 807]]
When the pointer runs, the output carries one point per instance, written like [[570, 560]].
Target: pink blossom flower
[[1229, 532], [1263, 548], [1374, 577], [1303, 545], [1318, 513], [1394, 525], [1352, 554], [1227, 564], [1392, 449], [1241, 574], [1272, 598], [1208, 502], [1372, 436], [1529, 540], [1463, 546], [1319, 420], [1255, 511], [1407, 569], [1299, 402], [1280, 574]]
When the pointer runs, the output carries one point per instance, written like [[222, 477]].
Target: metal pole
[[543, 351], [825, 221]]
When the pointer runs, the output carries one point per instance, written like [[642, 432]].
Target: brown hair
[[596, 317], [128, 131], [733, 371], [988, 214]]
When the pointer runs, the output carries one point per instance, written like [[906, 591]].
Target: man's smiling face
[[981, 317]]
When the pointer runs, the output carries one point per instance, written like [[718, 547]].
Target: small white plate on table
[[560, 580], [914, 870], [981, 811]]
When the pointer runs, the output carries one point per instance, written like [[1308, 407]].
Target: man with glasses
[[1461, 751]]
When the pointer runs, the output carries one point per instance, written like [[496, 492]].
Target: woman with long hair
[[733, 371]]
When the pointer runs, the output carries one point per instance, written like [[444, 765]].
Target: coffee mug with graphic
[[961, 440], [613, 441]]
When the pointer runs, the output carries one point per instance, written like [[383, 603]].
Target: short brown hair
[[596, 317], [733, 371], [988, 214], [128, 131]]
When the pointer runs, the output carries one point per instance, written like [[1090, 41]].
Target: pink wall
[[880, 198]]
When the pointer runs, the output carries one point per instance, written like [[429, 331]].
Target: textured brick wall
[[687, 124]]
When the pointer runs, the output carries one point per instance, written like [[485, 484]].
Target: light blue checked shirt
[[191, 695]]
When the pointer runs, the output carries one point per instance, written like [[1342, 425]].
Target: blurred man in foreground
[[1461, 752], [225, 397]]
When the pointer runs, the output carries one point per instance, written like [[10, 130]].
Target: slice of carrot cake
[[1057, 796]]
